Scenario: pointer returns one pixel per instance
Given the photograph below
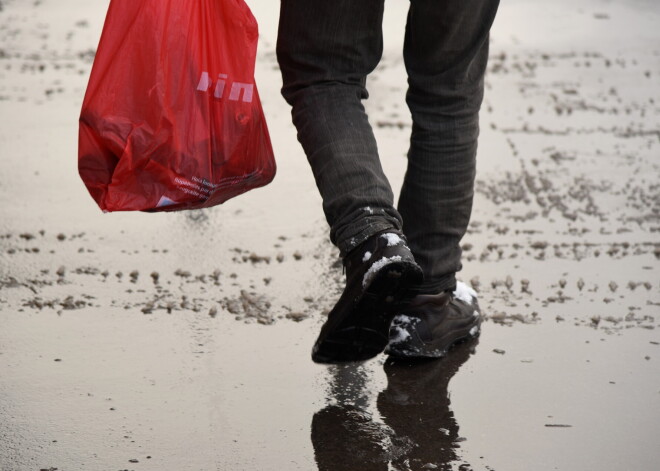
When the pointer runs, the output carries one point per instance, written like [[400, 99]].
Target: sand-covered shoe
[[429, 325], [378, 274]]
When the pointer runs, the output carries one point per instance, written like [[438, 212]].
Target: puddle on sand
[[92, 389]]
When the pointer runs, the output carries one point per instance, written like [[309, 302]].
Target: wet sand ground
[[181, 341]]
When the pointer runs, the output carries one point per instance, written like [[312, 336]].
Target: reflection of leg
[[416, 406], [446, 49], [325, 51]]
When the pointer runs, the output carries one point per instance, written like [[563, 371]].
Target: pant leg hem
[[346, 245], [446, 283]]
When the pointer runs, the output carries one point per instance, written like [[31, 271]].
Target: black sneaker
[[378, 274], [430, 324]]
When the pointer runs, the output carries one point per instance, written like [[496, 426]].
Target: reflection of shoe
[[378, 273], [430, 324], [416, 405], [348, 439]]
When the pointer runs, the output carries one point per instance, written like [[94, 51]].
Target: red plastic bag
[[171, 118]]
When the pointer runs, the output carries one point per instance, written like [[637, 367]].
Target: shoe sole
[[414, 347], [364, 332]]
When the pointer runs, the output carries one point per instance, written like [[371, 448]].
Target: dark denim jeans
[[325, 50]]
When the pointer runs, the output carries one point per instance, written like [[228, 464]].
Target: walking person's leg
[[325, 51], [446, 52]]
